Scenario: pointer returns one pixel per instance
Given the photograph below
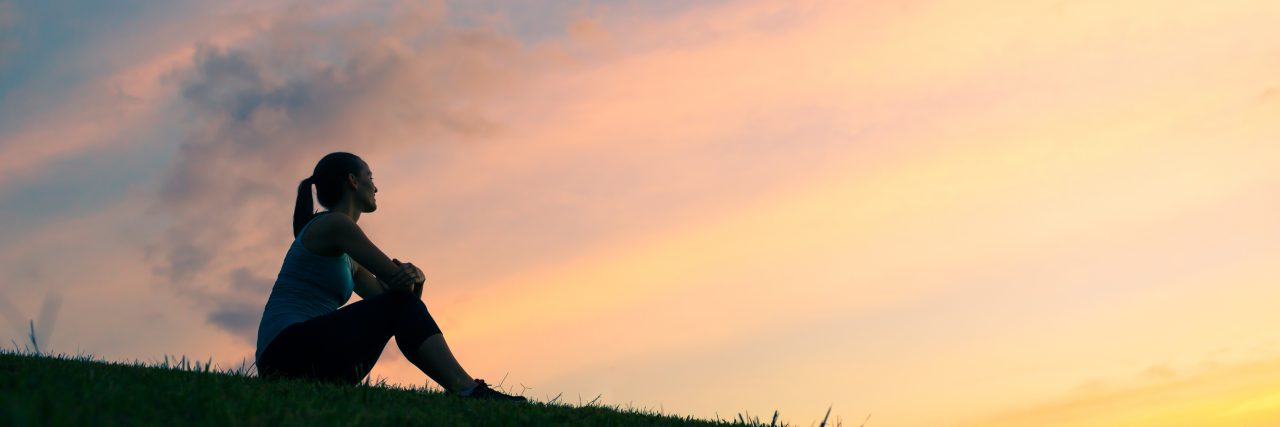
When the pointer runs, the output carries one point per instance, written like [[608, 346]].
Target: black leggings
[[342, 346]]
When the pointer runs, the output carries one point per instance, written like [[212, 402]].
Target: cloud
[[1238, 393], [240, 309], [239, 319], [1159, 372], [242, 279], [262, 112]]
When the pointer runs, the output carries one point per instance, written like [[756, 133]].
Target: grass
[[38, 389]]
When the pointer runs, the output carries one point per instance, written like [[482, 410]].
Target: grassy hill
[[70, 390]]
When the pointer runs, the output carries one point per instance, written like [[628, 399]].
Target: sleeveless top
[[309, 285]]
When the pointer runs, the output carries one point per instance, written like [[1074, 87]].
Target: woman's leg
[[337, 348], [344, 345], [431, 354], [434, 358]]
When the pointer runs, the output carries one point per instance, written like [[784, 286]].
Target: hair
[[329, 176]]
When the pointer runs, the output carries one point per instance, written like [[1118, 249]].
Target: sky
[[935, 213]]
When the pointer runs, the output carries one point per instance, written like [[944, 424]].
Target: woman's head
[[337, 177]]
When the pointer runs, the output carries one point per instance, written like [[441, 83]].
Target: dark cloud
[[238, 309], [239, 319], [226, 82], [260, 114]]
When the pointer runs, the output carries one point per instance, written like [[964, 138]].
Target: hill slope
[[78, 391]]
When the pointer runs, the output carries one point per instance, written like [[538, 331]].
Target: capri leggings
[[342, 346]]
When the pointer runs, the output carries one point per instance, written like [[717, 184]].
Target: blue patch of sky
[[51, 38]]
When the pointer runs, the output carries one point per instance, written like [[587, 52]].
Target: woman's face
[[365, 190]]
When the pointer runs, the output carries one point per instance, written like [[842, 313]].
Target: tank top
[[308, 285]]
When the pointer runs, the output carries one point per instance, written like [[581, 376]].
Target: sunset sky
[[939, 213]]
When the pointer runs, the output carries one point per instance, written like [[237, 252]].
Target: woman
[[304, 333]]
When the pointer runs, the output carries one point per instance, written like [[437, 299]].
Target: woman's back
[[308, 285]]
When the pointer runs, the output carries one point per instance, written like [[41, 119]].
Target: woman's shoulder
[[328, 222], [324, 228]]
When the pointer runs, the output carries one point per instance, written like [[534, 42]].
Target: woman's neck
[[346, 207]]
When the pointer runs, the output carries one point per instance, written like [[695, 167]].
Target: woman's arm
[[349, 238], [367, 286]]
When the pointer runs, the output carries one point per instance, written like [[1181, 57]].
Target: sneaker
[[482, 391]]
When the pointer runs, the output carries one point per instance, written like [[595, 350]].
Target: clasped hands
[[409, 277]]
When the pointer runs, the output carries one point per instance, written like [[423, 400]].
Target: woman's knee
[[403, 303], [409, 317], [400, 298], [394, 298]]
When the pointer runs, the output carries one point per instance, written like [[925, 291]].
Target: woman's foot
[[482, 391]]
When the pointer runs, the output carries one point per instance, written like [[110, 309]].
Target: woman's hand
[[415, 273], [402, 279]]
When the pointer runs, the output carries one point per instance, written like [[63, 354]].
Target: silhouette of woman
[[305, 334]]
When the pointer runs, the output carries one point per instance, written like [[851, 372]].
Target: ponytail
[[305, 208]]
